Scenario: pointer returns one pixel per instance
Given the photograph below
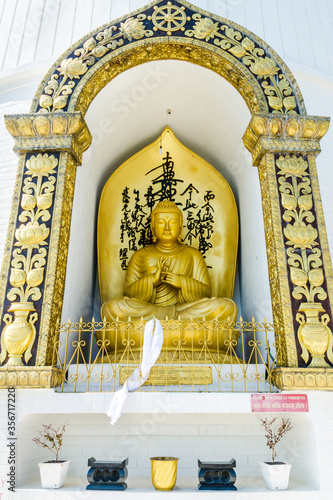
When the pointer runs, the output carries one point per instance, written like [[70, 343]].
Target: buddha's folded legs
[[134, 308], [208, 308]]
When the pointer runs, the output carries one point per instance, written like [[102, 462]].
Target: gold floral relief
[[30, 376], [274, 83], [285, 133], [304, 259], [57, 92], [280, 293], [179, 23], [27, 270], [29, 258], [57, 263], [272, 265]]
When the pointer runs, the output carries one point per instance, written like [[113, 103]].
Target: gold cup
[[164, 472]]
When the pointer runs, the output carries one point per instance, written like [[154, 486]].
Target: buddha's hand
[[174, 280], [158, 274]]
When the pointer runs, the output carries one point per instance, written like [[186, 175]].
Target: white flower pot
[[276, 476], [53, 474]]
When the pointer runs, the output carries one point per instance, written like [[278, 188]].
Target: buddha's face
[[166, 227]]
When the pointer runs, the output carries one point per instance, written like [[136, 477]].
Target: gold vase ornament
[[164, 472], [314, 335], [19, 335]]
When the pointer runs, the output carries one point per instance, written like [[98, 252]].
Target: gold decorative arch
[[283, 140], [170, 30]]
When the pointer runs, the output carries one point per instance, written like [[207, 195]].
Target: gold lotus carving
[[31, 235], [295, 379], [57, 262], [205, 28], [133, 29], [292, 166], [280, 291], [41, 165], [274, 133], [301, 236], [30, 376]]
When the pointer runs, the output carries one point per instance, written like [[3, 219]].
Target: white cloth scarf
[[152, 345]]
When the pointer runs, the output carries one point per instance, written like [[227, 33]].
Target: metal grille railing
[[196, 356]]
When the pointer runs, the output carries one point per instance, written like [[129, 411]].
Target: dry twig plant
[[51, 438], [274, 433]]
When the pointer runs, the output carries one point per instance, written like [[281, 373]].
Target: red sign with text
[[279, 402]]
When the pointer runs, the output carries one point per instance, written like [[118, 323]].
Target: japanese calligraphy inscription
[[210, 221]]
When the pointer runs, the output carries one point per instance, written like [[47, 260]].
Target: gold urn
[[314, 335], [19, 335], [164, 473]]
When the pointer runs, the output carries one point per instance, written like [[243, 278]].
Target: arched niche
[[209, 116]]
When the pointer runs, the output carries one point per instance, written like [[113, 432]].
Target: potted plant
[[53, 472], [276, 474]]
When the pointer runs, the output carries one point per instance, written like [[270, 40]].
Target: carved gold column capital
[[284, 134], [66, 132]]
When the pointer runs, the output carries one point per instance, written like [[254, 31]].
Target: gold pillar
[[300, 270], [49, 147]]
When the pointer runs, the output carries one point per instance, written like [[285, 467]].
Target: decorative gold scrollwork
[[169, 18], [306, 272], [29, 259], [57, 92], [27, 272], [275, 84]]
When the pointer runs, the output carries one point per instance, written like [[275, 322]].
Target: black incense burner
[[217, 475], [106, 475]]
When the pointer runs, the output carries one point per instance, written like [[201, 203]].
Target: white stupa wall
[[189, 426]]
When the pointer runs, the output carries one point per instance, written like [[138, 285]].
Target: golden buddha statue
[[168, 280]]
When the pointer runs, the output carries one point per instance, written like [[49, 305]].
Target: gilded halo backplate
[[205, 197]]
